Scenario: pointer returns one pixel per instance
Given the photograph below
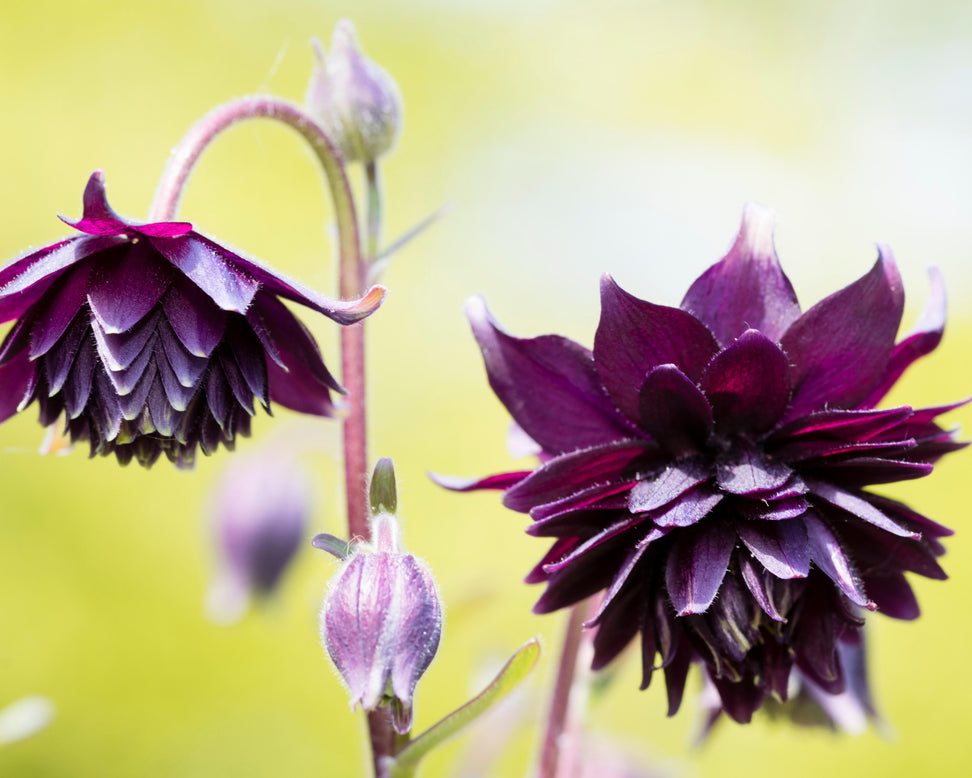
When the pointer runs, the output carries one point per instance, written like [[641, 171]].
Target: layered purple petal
[[671, 483], [923, 339], [674, 411], [561, 476], [126, 284], [840, 348], [696, 565], [748, 384], [827, 554], [545, 381], [780, 546], [204, 263], [634, 336], [747, 288]]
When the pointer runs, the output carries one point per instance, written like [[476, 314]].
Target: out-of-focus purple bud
[[353, 98], [381, 621], [260, 516]]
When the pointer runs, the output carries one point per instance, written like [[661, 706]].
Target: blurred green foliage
[[574, 138]]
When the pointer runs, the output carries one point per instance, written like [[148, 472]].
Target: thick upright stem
[[559, 756]]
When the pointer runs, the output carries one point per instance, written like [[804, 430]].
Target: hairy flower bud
[[260, 515], [353, 98], [381, 621]]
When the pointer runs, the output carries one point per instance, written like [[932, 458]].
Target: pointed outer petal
[[697, 563], [674, 411], [910, 519], [134, 403], [747, 471], [607, 534], [893, 596], [634, 336], [16, 376], [610, 603], [24, 281], [578, 523], [839, 349], [125, 287], [739, 700], [923, 339], [249, 356], [560, 547], [772, 510], [865, 471], [58, 361], [670, 484], [207, 265], [747, 287], [780, 546], [689, 509], [290, 340], [194, 319], [876, 553], [819, 453], [118, 351], [178, 394], [299, 390], [858, 505], [589, 575], [676, 672], [617, 628], [498, 481], [98, 217], [419, 627], [794, 487], [608, 495], [549, 386], [753, 577], [850, 426], [124, 380], [568, 473], [748, 384], [67, 296], [235, 381], [926, 415], [17, 339], [827, 554]]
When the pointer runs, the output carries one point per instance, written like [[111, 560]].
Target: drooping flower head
[[706, 468], [153, 338]]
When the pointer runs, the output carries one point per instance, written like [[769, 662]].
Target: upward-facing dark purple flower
[[706, 468], [152, 338]]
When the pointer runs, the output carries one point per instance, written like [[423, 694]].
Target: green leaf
[[514, 671]]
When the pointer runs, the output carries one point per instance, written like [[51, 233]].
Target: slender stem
[[559, 756], [384, 740], [374, 210]]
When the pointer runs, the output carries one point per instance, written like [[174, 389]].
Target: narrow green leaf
[[514, 671]]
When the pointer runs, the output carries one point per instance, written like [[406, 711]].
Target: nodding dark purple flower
[[705, 467], [152, 338]]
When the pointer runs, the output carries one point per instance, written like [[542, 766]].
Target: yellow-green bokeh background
[[573, 138]]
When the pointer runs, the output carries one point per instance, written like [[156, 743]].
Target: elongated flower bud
[[353, 98], [382, 619]]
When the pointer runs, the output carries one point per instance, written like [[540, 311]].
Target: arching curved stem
[[352, 267]]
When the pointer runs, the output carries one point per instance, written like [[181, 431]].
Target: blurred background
[[572, 138]]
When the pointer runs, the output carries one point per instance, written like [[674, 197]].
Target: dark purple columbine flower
[[152, 338], [706, 468]]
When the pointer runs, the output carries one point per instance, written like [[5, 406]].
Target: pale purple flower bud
[[353, 98], [381, 622], [260, 515]]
